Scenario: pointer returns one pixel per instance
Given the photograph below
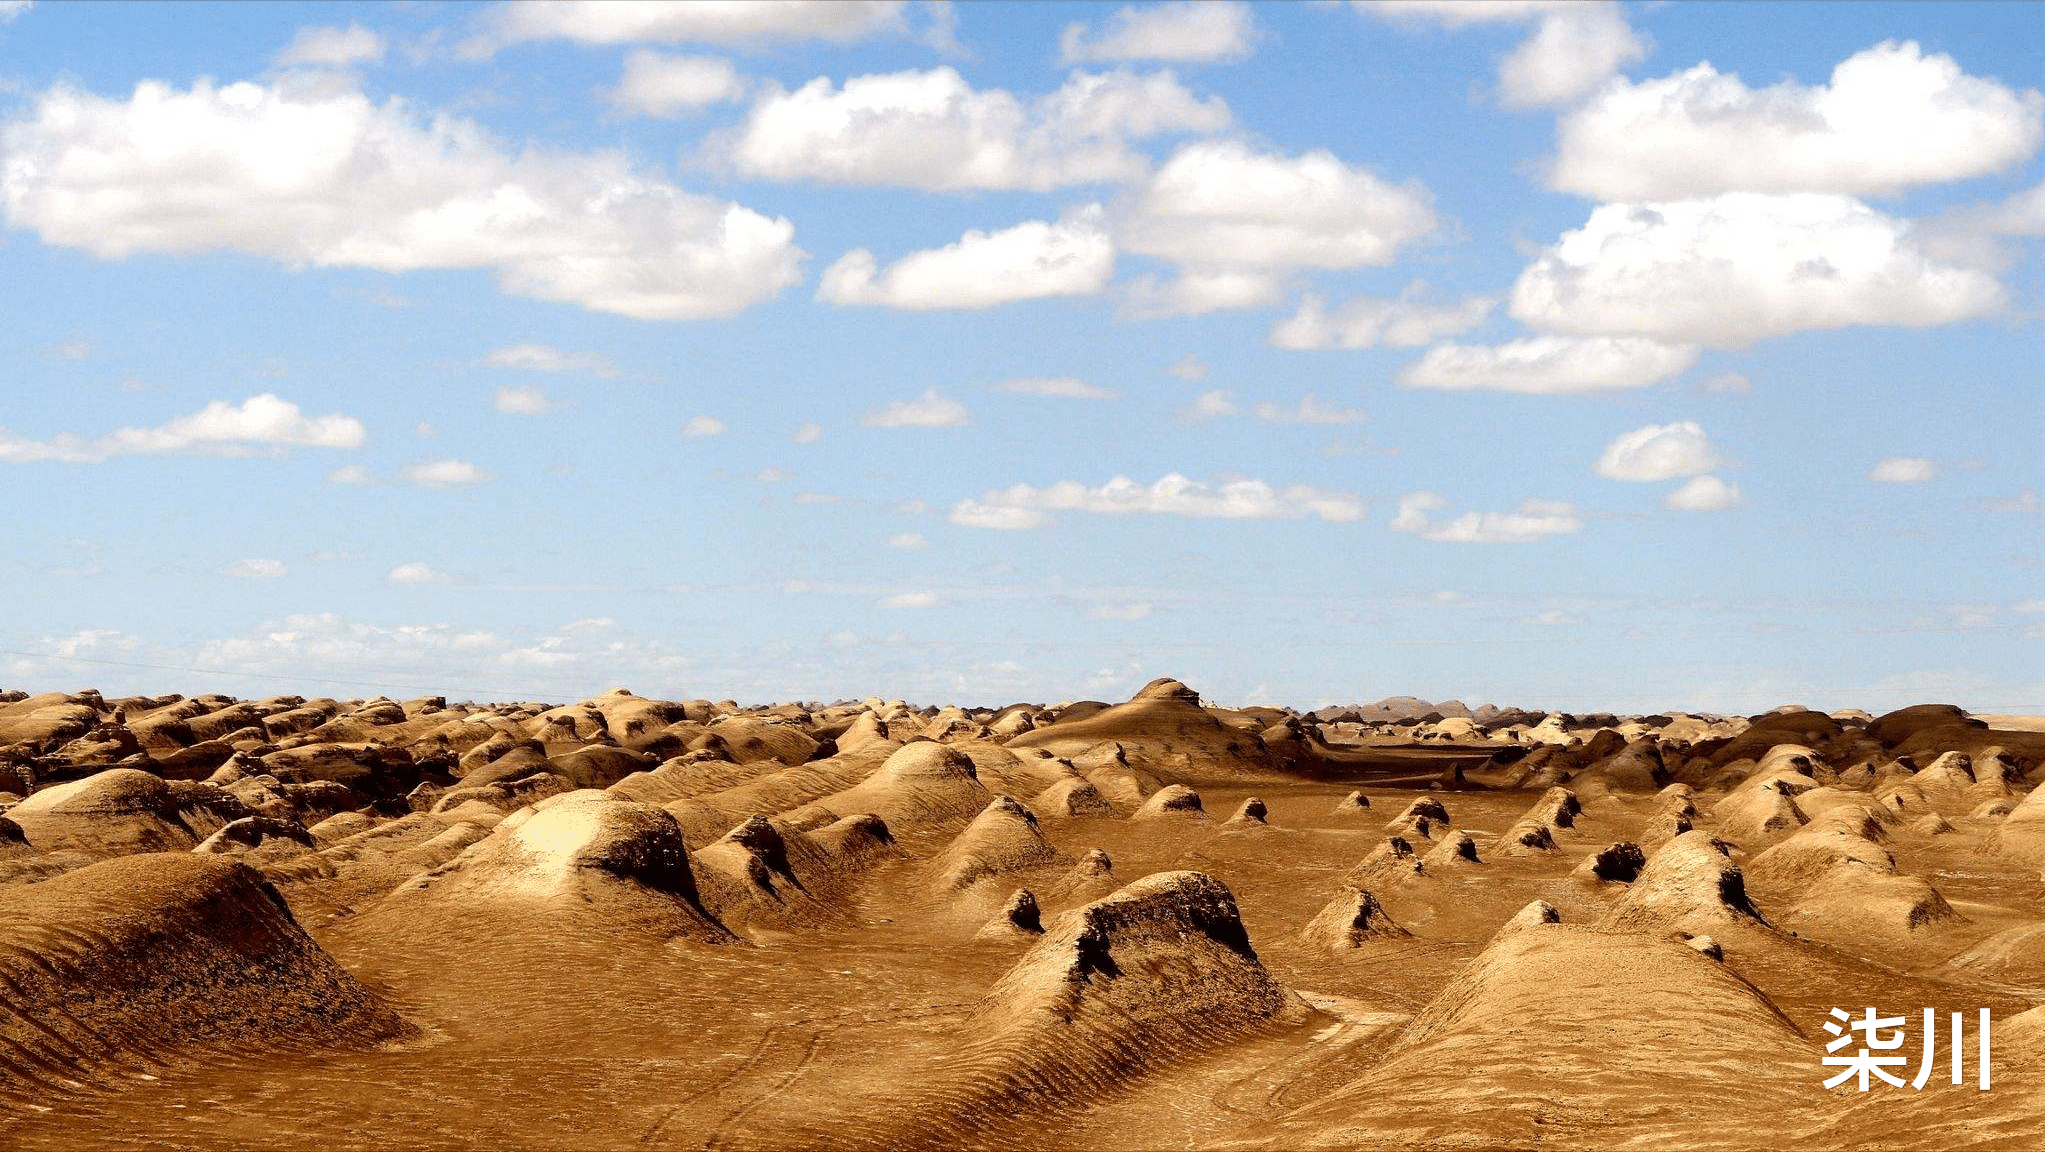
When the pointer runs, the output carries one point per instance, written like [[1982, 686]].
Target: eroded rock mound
[[581, 855], [146, 956], [1159, 970], [1351, 920]]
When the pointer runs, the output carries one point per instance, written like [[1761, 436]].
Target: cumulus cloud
[[908, 541], [523, 400], [1196, 293], [1703, 494], [1576, 45], [1366, 322], [810, 432], [933, 130], [547, 358], [324, 176], [256, 569], [1031, 261], [1903, 470], [1546, 364], [1310, 409], [352, 475], [919, 599], [328, 47], [442, 474], [1658, 452], [1573, 50], [1210, 405], [1220, 205], [9, 9], [973, 514], [1533, 520], [700, 426], [930, 410], [1188, 368], [596, 22], [262, 424], [663, 85], [1892, 117], [1182, 31], [418, 572], [1062, 387], [1025, 506], [1741, 267], [1725, 384]]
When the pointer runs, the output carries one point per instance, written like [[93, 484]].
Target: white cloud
[[1218, 205], [1543, 364], [930, 410], [699, 426], [2023, 503], [1703, 494], [1366, 322], [974, 514], [1891, 117], [1310, 410], [1188, 368], [811, 432], [1211, 405], [908, 541], [1742, 267], [1573, 50], [911, 600], [1726, 384], [71, 350], [594, 22], [9, 9], [256, 569], [261, 424], [1030, 261], [1135, 611], [1181, 30], [323, 47], [933, 130], [662, 85], [1534, 520], [418, 572], [323, 176], [1025, 506], [442, 474], [523, 400], [1576, 44], [354, 475], [1903, 470], [547, 358], [2021, 215], [1062, 387], [1658, 452], [1195, 292]]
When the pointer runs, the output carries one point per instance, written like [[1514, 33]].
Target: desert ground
[[628, 922]]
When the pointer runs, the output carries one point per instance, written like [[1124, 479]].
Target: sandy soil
[[631, 923]]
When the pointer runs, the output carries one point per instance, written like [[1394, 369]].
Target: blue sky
[[1583, 355]]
